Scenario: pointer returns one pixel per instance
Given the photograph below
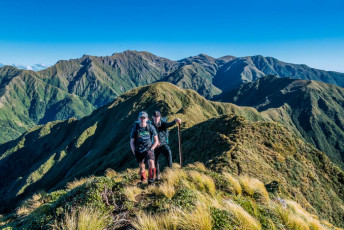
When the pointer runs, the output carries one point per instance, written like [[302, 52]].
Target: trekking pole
[[180, 147]]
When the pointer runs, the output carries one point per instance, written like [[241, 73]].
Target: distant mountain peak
[[226, 58]]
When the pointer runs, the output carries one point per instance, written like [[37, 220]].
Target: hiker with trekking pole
[[142, 147], [161, 125]]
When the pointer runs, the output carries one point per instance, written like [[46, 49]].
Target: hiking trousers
[[166, 151]]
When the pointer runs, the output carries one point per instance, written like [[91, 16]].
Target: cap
[[156, 114], [143, 114]]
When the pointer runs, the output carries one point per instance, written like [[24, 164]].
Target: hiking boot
[[158, 177]]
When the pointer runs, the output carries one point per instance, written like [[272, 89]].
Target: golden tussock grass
[[297, 223], [245, 220], [198, 165], [173, 176], [199, 218], [31, 204], [202, 181], [327, 224], [233, 182], [175, 218], [167, 189], [291, 220], [77, 182], [315, 225], [309, 218], [147, 222], [254, 187], [110, 173], [175, 166], [23, 211], [83, 219], [131, 192]]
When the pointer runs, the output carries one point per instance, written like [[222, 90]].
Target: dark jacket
[[162, 129]]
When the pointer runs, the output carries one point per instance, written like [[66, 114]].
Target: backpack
[[137, 127], [149, 122]]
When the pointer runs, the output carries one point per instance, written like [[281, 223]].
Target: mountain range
[[312, 109], [224, 136], [81, 85]]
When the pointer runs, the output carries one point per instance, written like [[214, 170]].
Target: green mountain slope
[[96, 81], [194, 76], [72, 88], [247, 69], [313, 109], [101, 79], [48, 156], [231, 194], [26, 100]]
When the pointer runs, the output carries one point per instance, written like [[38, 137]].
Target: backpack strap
[[137, 127]]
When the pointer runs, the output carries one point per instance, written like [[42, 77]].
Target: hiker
[[141, 145], [161, 125]]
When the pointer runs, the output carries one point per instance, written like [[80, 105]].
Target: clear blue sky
[[304, 32]]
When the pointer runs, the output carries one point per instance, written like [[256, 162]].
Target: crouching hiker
[[141, 145], [161, 125]]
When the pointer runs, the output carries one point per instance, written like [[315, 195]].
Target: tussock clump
[[315, 225], [176, 218], [131, 192], [147, 222], [234, 183], [23, 211], [291, 220], [297, 216], [174, 176], [83, 219], [31, 204], [175, 166], [246, 221], [167, 189], [202, 181], [199, 218], [78, 182], [110, 173], [254, 188], [198, 165]]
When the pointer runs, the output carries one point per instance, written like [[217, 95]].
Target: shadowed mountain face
[[313, 109], [80, 85], [49, 156]]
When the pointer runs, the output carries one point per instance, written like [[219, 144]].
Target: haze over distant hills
[[35, 67]]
